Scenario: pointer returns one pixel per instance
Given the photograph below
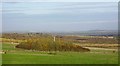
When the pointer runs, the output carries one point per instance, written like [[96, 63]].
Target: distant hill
[[91, 33], [82, 33]]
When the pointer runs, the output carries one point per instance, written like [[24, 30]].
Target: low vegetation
[[47, 44], [39, 48], [22, 56]]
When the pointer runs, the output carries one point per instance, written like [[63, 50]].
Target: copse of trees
[[47, 44], [23, 36]]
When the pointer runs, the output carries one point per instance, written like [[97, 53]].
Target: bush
[[47, 44]]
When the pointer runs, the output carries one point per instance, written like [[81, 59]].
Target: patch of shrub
[[47, 44]]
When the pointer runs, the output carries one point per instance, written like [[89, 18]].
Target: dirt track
[[94, 48]]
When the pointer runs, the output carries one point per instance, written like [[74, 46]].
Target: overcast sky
[[59, 16]]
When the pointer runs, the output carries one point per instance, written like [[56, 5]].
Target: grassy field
[[21, 56]]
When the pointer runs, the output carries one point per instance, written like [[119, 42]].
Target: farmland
[[20, 56], [98, 54]]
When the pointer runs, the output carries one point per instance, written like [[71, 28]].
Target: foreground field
[[20, 56]]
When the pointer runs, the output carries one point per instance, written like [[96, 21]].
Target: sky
[[60, 0], [59, 16]]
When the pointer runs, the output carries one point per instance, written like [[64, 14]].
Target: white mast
[[54, 38]]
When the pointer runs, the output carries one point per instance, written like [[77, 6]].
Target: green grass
[[20, 56], [6, 46]]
